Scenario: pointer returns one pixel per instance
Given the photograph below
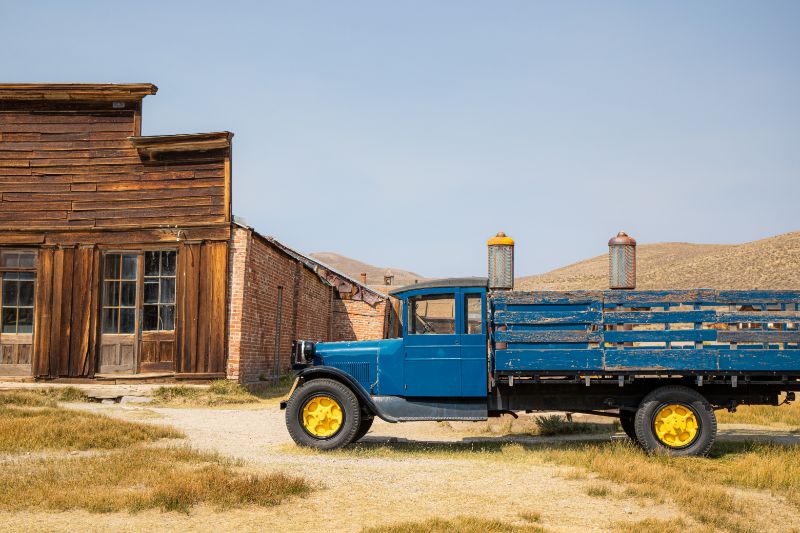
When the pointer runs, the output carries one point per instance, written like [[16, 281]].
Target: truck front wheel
[[675, 420], [323, 414]]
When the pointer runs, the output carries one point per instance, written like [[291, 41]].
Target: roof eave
[[76, 92]]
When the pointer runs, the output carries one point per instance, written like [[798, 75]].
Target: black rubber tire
[[675, 394], [351, 411], [366, 423], [626, 420]]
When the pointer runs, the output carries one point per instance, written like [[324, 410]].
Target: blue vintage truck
[[661, 361]]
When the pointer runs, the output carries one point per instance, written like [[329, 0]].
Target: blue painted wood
[[761, 318], [547, 317], [754, 360], [549, 360], [758, 335], [549, 336], [658, 317], [552, 298], [673, 335], [660, 359]]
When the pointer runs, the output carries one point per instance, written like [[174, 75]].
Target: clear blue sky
[[406, 133]]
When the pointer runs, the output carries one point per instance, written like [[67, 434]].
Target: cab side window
[[473, 314], [433, 314]]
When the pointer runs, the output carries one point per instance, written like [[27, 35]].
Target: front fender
[[316, 372]]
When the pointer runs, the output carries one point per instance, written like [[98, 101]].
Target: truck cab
[[437, 370]]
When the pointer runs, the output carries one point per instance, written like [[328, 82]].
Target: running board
[[399, 409]]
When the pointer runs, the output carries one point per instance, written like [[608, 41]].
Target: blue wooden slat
[[768, 360], [549, 360], [673, 335], [658, 317], [552, 297], [660, 359], [549, 336], [758, 297], [547, 317], [761, 318], [758, 335], [653, 298]]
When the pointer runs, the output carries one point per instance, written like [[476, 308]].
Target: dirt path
[[356, 491]]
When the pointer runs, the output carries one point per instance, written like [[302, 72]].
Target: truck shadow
[[729, 442]]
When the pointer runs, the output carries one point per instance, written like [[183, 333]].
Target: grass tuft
[[762, 415], [550, 425], [42, 397], [170, 479], [220, 392], [461, 524]]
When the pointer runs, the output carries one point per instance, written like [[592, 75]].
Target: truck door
[[474, 356], [432, 365]]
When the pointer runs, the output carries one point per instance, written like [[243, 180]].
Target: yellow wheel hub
[[322, 416], [676, 425]]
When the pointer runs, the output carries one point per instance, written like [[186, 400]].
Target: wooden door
[[17, 280], [157, 337], [119, 319]]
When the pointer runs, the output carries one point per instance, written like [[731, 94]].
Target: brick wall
[[355, 320], [310, 309]]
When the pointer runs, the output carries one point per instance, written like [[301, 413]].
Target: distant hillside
[[354, 268], [772, 263]]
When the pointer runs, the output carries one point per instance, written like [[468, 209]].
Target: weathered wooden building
[[117, 250]]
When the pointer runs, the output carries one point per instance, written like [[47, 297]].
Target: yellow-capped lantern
[[501, 262], [622, 262]]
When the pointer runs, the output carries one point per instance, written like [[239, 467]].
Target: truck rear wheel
[[675, 420], [323, 414]]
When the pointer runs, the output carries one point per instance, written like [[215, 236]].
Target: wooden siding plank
[[42, 317], [205, 295], [659, 317], [64, 340], [219, 277], [673, 335]]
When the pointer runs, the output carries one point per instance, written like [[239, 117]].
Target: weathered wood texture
[[66, 312], [202, 291], [66, 170], [698, 330]]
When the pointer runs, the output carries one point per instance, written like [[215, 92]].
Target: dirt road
[[355, 490]]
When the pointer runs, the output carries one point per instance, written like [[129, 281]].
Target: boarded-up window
[[159, 291]]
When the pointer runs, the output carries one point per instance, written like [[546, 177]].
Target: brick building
[[120, 257]]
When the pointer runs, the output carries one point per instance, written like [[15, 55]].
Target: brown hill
[[772, 263], [353, 267]]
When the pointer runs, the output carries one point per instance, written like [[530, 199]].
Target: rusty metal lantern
[[501, 262], [622, 262]]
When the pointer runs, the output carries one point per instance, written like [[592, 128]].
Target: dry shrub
[[50, 428], [170, 479], [461, 524]]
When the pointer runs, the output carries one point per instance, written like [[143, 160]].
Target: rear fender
[[316, 372]]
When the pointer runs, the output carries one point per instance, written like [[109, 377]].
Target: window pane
[[168, 263], [433, 315], [9, 320], [26, 275], [151, 263], [25, 320], [9, 259], [127, 320], [129, 262], [151, 292], [26, 293], [150, 318], [167, 290], [111, 269], [167, 317], [128, 294], [472, 311], [27, 259], [10, 290], [111, 293], [110, 317]]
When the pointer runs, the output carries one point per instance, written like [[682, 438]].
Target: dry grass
[[763, 415], [30, 421], [49, 428], [42, 397], [652, 524], [170, 479], [220, 392], [463, 524]]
